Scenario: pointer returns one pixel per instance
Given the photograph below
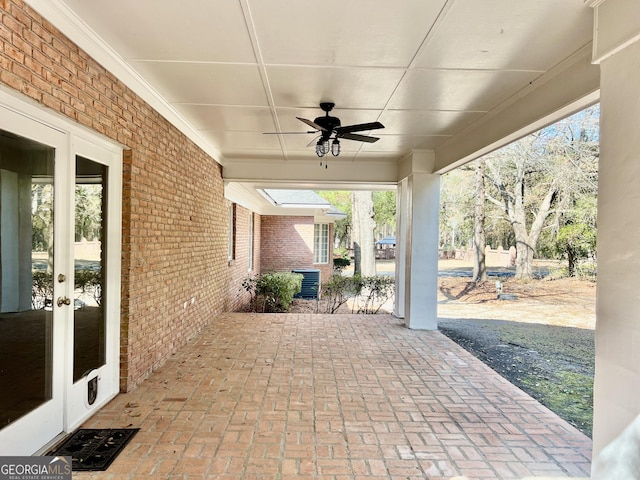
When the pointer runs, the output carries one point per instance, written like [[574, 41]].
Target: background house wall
[[287, 244], [175, 222]]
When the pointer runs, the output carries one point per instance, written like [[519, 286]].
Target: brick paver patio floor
[[333, 397]]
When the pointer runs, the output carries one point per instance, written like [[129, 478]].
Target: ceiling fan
[[329, 128]]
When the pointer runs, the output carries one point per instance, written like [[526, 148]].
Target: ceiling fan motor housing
[[328, 123]]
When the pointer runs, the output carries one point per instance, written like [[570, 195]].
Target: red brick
[[289, 241]]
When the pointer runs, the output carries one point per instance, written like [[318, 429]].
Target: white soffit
[[226, 71]]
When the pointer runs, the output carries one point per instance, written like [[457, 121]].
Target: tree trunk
[[524, 258], [357, 259], [526, 242], [572, 261], [479, 241], [364, 225]]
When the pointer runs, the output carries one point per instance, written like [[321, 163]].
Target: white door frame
[[36, 431]]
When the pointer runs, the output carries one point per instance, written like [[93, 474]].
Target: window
[[250, 241], [232, 231], [321, 243]]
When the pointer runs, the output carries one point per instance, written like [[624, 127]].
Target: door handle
[[63, 301]]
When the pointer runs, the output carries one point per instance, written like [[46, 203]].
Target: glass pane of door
[[26, 275], [89, 261]]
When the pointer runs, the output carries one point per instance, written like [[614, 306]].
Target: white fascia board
[[245, 197], [312, 206], [291, 212], [302, 174], [616, 25], [570, 87], [324, 219]]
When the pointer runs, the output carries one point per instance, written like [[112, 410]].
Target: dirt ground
[[565, 302], [538, 334]]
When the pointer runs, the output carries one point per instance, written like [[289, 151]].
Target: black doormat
[[94, 449]]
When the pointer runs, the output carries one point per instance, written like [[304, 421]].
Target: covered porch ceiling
[[454, 77]]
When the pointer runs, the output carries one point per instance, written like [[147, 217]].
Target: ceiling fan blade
[[360, 127], [359, 138], [315, 140], [290, 133], [312, 124]]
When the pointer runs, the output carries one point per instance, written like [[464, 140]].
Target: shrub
[[374, 291], [340, 263], [42, 290], [584, 270], [90, 281], [273, 292], [369, 293], [338, 289]]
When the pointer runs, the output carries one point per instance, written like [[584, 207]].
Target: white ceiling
[[429, 70]]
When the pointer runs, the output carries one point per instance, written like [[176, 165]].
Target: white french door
[[93, 358], [59, 277]]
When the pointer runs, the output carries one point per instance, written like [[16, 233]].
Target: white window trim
[[250, 241], [231, 253], [321, 243]]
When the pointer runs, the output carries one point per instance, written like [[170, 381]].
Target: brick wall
[[239, 266], [287, 244], [175, 223]]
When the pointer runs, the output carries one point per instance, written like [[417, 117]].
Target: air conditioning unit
[[310, 284]]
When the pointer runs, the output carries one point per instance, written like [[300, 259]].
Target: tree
[[456, 208], [575, 238], [573, 233], [384, 211], [512, 174], [88, 218], [42, 216], [575, 241], [541, 175], [363, 226], [342, 201], [479, 241]]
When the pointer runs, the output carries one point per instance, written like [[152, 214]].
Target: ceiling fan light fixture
[[335, 147], [320, 148]]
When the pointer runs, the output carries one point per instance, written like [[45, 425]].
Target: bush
[[374, 292], [90, 281], [585, 270], [338, 289], [42, 290], [369, 293], [340, 263], [273, 292]]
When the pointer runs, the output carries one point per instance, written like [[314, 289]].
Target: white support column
[[617, 379], [401, 233], [417, 265]]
